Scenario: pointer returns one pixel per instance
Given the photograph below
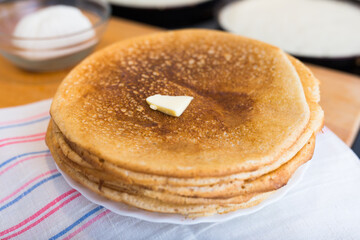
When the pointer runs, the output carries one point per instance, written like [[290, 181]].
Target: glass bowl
[[50, 53]]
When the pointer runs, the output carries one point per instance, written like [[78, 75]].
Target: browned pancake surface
[[248, 107]]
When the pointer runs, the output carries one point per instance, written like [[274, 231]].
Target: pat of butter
[[171, 105]]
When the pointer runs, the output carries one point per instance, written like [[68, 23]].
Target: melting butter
[[170, 105]]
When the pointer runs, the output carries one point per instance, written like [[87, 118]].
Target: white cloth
[[36, 202]]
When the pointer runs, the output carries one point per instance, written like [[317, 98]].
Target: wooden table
[[340, 92]]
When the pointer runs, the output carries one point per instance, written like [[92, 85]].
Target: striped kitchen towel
[[37, 203]]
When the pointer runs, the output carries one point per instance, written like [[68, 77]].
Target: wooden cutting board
[[340, 93]]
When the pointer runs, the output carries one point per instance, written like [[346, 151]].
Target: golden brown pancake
[[248, 109], [251, 124], [310, 84]]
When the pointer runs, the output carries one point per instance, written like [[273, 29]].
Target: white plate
[[125, 210]]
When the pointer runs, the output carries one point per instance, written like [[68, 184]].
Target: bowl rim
[[98, 23]]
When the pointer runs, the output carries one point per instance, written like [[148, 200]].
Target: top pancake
[[248, 109]]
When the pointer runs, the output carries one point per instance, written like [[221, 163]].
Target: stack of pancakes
[[251, 124]]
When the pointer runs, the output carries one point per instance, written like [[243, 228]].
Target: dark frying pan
[[167, 16]]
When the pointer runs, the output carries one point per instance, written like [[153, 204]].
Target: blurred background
[[323, 32]]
